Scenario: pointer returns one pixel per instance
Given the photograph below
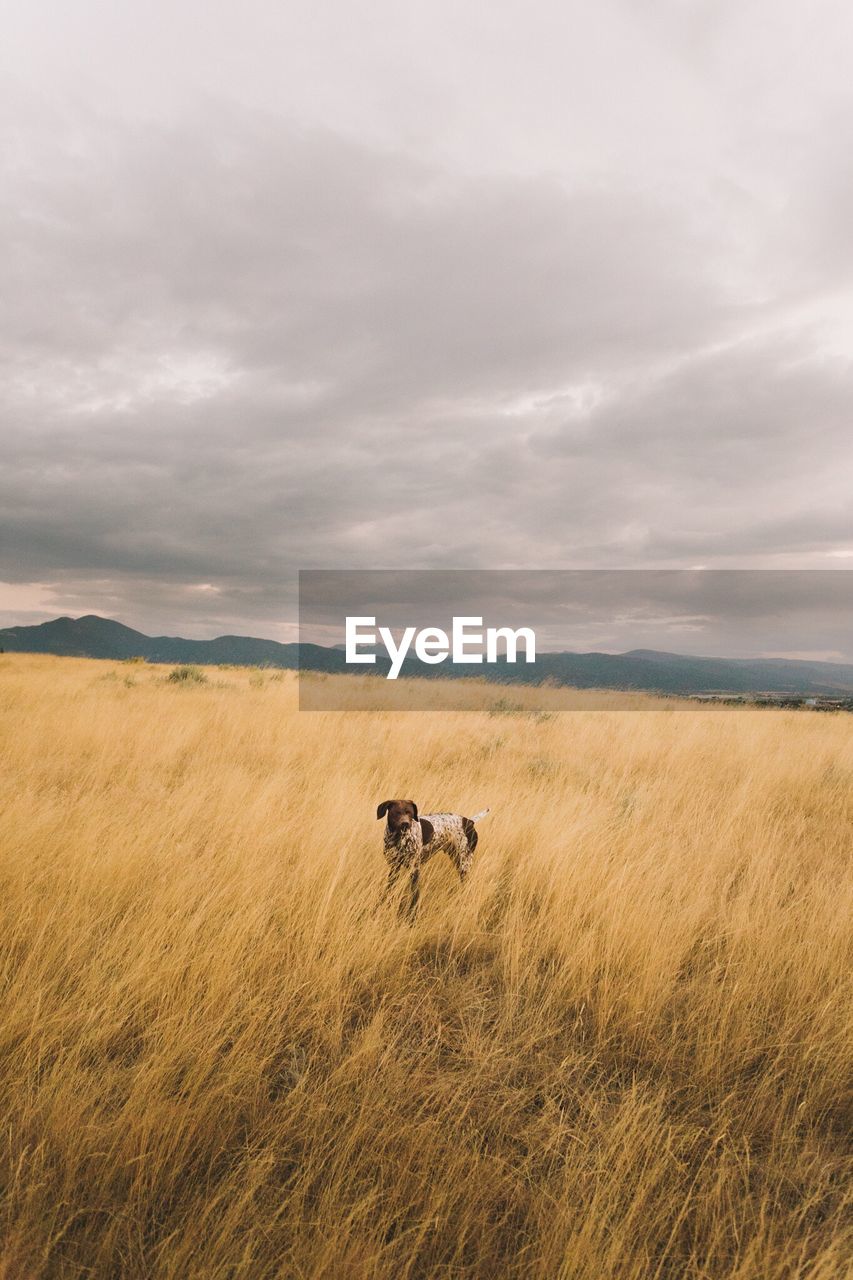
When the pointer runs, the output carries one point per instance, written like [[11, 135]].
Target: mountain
[[94, 637], [640, 669]]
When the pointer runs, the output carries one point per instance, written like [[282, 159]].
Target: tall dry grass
[[622, 1051]]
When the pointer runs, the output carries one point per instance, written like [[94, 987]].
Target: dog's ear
[[383, 808], [427, 830], [415, 807]]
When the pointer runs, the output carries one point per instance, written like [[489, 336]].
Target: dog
[[411, 840]]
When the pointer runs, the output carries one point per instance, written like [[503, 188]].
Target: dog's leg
[[415, 886], [462, 862], [464, 857], [393, 876]]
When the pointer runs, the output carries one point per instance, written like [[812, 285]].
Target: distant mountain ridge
[[95, 637], [639, 669]]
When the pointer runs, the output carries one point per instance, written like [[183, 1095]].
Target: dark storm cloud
[[235, 344]]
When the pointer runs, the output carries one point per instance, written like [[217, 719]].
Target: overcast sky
[[323, 284]]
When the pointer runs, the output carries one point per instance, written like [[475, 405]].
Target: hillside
[[94, 637]]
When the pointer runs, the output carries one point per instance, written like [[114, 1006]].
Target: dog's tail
[[481, 814]]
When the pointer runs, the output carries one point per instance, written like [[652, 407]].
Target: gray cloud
[[276, 325], [733, 613]]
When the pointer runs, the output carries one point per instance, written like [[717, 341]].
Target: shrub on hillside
[[187, 675]]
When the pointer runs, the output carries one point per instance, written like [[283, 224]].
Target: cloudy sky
[[306, 283]]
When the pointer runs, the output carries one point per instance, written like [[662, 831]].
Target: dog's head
[[402, 814]]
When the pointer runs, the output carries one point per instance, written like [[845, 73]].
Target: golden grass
[[621, 1051]]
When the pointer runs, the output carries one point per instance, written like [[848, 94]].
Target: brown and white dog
[[411, 840]]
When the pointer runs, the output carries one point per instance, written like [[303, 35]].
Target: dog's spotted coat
[[411, 840]]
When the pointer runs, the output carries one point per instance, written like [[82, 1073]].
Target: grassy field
[[622, 1051]]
